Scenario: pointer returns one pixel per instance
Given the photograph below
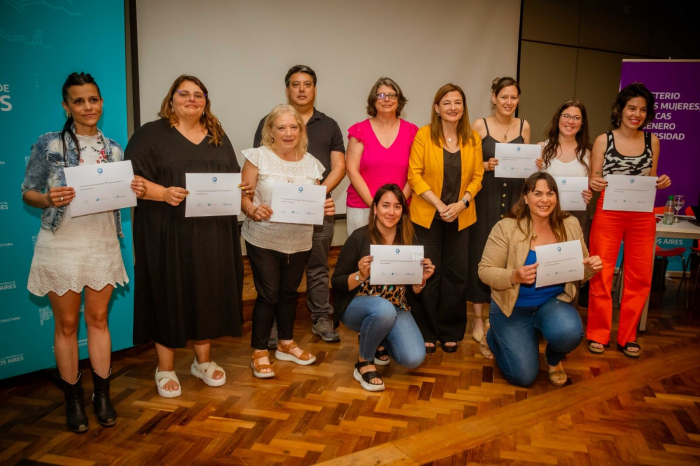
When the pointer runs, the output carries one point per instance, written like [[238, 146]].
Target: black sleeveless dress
[[493, 202]]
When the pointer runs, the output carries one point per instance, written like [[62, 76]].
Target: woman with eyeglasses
[[378, 150], [567, 151], [445, 172], [189, 270], [75, 255], [498, 194]]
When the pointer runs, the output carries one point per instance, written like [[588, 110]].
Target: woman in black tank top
[[497, 195], [626, 150]]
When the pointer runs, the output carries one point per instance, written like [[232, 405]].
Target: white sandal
[[205, 371], [162, 378]]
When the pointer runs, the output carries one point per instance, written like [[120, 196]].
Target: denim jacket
[[45, 171]]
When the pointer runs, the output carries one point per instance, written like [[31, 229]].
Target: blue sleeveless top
[[531, 296]]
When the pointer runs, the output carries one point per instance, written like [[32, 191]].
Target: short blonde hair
[[276, 112]]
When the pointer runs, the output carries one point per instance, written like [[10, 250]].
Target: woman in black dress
[[497, 195], [189, 271]]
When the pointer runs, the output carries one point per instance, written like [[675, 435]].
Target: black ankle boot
[[106, 415], [76, 419]]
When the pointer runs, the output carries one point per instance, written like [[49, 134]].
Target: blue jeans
[[513, 340], [380, 323]]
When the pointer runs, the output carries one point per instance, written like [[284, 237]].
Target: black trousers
[[277, 277], [443, 315]]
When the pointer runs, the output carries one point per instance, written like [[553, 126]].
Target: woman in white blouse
[[277, 251], [566, 151]]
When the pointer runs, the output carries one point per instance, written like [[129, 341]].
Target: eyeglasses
[[383, 96], [187, 94], [567, 117]]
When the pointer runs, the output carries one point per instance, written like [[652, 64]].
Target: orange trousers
[[638, 231]]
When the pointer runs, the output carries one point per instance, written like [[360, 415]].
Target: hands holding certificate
[[64, 195], [528, 274], [264, 212], [364, 267]]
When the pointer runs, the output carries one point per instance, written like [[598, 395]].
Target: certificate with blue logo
[[559, 263], [570, 189], [298, 203], [630, 193], [212, 194], [100, 187], [517, 160], [396, 265]]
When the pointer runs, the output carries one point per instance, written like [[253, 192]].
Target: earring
[[68, 115], [204, 114], [272, 139], [438, 113]]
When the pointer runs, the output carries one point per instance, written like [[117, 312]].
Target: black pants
[[277, 277], [443, 315]]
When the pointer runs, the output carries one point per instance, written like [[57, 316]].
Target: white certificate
[[100, 187], [570, 188], [630, 193], [517, 160], [212, 194], [298, 203], [559, 263], [396, 265]]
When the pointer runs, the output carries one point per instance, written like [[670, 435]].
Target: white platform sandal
[[205, 371], [162, 378]]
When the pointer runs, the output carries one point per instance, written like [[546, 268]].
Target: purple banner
[[674, 84]]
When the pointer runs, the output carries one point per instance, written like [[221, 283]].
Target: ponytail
[[68, 128]]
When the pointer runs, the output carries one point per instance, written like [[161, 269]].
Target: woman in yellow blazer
[[445, 171]]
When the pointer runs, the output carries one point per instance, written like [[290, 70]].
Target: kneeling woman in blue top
[[381, 313], [519, 310]]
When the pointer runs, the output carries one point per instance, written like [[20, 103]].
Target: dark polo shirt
[[324, 137]]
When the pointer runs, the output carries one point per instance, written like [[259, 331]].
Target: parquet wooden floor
[[455, 409]]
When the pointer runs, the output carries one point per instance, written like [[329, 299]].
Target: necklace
[[534, 235], [505, 135]]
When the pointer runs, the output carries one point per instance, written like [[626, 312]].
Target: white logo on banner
[[3, 205], [5, 245], [11, 359], [5, 105], [8, 285], [9, 319], [45, 313]]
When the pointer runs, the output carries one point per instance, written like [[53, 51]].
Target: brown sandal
[[258, 368], [483, 344], [283, 353]]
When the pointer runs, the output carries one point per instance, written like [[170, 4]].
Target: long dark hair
[[210, 122], [551, 134], [404, 229], [521, 212], [74, 79]]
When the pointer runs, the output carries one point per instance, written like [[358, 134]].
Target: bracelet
[[511, 278], [421, 286]]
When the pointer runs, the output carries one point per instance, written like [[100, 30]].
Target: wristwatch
[[466, 203], [357, 277]]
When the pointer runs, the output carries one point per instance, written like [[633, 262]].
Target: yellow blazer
[[426, 170]]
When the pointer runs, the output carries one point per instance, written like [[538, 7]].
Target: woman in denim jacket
[[76, 254]]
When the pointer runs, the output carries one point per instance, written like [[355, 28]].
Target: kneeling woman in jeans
[[518, 309], [381, 313]]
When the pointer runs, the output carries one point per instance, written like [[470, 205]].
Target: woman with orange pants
[[626, 150]]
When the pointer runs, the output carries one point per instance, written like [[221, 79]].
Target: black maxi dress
[[494, 201], [188, 271]]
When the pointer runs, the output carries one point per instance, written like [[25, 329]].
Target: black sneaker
[[324, 329]]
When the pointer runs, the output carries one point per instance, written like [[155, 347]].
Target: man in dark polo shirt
[[326, 144]]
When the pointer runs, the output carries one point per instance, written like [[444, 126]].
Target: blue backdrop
[[40, 44]]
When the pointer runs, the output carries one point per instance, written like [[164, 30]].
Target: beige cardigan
[[507, 249]]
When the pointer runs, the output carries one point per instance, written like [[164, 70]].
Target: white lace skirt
[[84, 251]]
